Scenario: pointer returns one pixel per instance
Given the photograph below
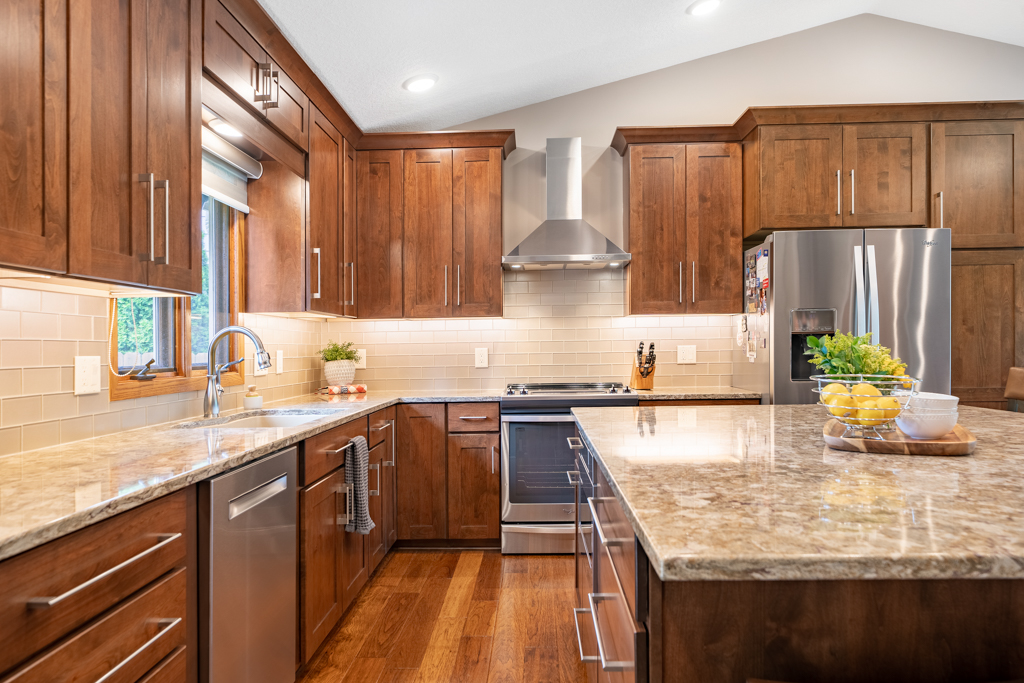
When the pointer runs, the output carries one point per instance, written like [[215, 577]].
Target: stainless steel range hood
[[565, 240]]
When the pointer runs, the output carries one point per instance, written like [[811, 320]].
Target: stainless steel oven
[[539, 444]]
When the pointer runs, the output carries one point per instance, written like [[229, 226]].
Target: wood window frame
[[183, 378]]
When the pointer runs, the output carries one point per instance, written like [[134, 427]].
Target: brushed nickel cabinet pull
[[458, 285], [377, 491], [384, 426], [576, 612], [394, 438], [165, 626], [853, 193], [492, 459], [839, 193], [352, 285], [606, 664], [151, 254], [316, 250], [166, 186], [942, 217], [472, 417], [446, 285], [693, 277], [680, 282]]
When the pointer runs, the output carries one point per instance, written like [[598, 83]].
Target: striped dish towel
[[356, 461]]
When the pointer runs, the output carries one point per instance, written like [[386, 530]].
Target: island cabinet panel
[[977, 182], [421, 471], [656, 219], [904, 630], [801, 169], [321, 560], [427, 247], [379, 182], [988, 323], [325, 239], [33, 169], [885, 174], [476, 236], [474, 465]]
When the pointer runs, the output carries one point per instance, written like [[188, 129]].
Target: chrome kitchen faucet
[[211, 402]]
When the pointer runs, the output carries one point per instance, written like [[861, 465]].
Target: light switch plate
[[686, 354], [280, 361], [481, 357], [361, 363], [256, 372], [87, 375]]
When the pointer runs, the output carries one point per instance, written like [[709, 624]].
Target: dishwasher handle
[[257, 496]]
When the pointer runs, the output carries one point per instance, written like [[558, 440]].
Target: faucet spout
[[211, 402]]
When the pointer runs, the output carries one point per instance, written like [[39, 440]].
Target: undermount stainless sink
[[260, 420]]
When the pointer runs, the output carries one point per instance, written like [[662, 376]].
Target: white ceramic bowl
[[926, 426], [934, 401], [931, 411]]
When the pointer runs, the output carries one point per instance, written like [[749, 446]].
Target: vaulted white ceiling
[[494, 56]]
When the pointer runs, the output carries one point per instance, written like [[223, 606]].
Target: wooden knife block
[[638, 382]]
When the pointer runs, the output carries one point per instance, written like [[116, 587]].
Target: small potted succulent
[[339, 363]]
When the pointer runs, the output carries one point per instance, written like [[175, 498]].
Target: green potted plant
[[339, 363]]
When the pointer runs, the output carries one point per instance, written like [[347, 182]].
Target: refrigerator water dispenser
[[804, 323]]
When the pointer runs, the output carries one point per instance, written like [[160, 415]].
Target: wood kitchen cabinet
[[382, 432], [379, 183], [474, 465], [885, 174], [476, 236], [321, 560], [375, 548], [801, 176], [325, 234], [988, 323], [134, 76], [427, 245], [977, 182], [684, 228], [33, 170], [347, 240], [420, 471]]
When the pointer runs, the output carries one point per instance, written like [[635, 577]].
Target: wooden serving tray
[[957, 442]]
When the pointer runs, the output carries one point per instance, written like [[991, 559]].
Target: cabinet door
[[476, 237], [658, 279], [233, 56], [108, 205], [420, 470], [355, 558], [801, 170], [382, 432], [379, 280], [473, 465], [325, 168], [173, 35], [375, 539], [288, 107], [33, 135], [348, 236], [714, 227], [321, 586], [978, 182], [988, 323], [427, 250], [885, 174]]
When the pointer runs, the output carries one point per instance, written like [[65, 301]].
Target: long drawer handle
[[47, 602], [576, 612], [578, 445], [384, 426], [165, 626], [605, 541], [583, 539], [375, 467], [472, 417], [350, 444], [595, 598], [391, 463]]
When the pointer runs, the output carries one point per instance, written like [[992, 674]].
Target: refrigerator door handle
[[873, 285], [858, 274]]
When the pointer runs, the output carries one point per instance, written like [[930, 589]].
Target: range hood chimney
[[565, 240]]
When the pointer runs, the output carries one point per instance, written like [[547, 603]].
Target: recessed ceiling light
[[420, 83], [702, 7], [221, 127]]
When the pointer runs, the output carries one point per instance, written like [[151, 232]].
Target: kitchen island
[[769, 555]]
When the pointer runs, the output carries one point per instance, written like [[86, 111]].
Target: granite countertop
[[51, 492], [753, 493]]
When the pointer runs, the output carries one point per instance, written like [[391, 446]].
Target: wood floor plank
[[457, 600], [335, 658], [488, 579], [508, 647], [468, 565], [516, 564], [570, 668], [472, 660], [383, 636], [541, 665], [393, 568], [399, 676], [439, 658], [416, 634], [480, 618], [364, 670], [444, 566]]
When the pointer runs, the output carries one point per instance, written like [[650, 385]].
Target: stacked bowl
[[929, 416]]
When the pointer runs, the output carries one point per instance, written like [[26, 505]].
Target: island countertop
[[752, 493]]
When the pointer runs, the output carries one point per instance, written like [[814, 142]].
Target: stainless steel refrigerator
[[892, 283]]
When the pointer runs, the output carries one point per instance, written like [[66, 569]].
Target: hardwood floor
[[458, 617]]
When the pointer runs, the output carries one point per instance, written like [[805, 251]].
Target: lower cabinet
[[382, 485], [420, 470], [474, 463]]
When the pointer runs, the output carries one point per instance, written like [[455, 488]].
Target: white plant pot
[[339, 372]]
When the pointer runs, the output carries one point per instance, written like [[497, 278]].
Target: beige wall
[[863, 59], [42, 332]]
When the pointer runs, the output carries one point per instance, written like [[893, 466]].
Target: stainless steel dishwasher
[[247, 546]]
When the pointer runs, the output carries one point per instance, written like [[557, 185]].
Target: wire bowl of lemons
[[866, 404]]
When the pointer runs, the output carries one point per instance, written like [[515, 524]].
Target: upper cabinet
[[684, 224], [134, 164], [33, 135], [348, 232], [427, 250], [801, 176], [977, 184], [326, 254], [476, 231], [379, 183], [885, 172], [238, 61]]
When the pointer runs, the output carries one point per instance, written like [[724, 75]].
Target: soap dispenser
[[252, 399]]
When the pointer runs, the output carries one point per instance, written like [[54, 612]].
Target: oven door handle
[[537, 418]]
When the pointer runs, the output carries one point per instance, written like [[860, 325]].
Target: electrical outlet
[[87, 375], [280, 361], [481, 357], [361, 363], [686, 355], [256, 372]]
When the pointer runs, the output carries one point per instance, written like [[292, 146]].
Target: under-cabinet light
[[221, 127]]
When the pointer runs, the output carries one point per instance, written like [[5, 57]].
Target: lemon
[[869, 414], [890, 405], [841, 406], [832, 389], [862, 390]]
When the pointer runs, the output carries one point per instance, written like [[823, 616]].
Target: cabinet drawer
[[86, 573], [621, 640], [288, 108], [173, 669], [322, 453], [234, 56], [131, 639], [611, 524], [473, 417], [381, 425]]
